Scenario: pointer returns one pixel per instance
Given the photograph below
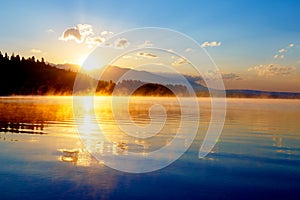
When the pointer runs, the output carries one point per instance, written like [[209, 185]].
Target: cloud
[[94, 41], [121, 43], [147, 43], [83, 33], [210, 44], [50, 30], [106, 33], [35, 51], [281, 52], [180, 61], [279, 56], [71, 34], [147, 55], [230, 76], [215, 75], [273, 70], [78, 33], [188, 50], [85, 29]]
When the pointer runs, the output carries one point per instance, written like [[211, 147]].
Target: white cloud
[[147, 43], [94, 41], [72, 34], [188, 50], [273, 70], [78, 33], [217, 75], [281, 52], [83, 33], [179, 61], [85, 29], [230, 76], [121, 43], [106, 33], [279, 56], [147, 55], [35, 51], [210, 44], [50, 30]]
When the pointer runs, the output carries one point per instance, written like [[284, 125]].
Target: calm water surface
[[42, 156]]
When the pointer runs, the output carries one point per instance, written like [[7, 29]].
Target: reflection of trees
[[30, 116], [277, 140], [7, 138], [79, 157], [22, 127], [69, 156]]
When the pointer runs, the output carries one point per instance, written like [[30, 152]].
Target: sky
[[254, 43]]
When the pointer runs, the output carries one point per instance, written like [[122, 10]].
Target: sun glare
[[88, 103], [81, 60]]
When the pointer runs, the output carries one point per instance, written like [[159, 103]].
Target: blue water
[[256, 157]]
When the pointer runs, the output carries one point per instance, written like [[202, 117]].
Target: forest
[[30, 76], [20, 76]]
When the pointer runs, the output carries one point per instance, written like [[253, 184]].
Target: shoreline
[[137, 96]]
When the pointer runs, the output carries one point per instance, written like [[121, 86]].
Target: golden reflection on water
[[47, 126]]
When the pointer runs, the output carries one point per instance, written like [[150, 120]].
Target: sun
[[88, 63], [81, 60]]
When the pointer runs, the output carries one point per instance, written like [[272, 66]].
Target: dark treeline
[[30, 76], [20, 76], [139, 88]]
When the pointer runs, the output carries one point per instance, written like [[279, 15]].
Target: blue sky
[[251, 33]]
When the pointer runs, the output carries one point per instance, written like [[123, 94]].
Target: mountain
[[262, 94], [67, 67], [114, 73]]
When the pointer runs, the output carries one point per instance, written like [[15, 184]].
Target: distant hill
[[262, 94], [115, 73], [67, 66]]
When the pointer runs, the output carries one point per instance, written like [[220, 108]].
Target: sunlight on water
[[39, 139]]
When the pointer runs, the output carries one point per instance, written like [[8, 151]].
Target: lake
[[42, 155]]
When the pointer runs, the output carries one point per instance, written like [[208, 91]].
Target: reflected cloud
[[78, 157]]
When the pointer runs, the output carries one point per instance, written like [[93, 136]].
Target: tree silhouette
[[21, 76]]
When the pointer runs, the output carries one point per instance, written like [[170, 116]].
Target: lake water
[[43, 157]]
